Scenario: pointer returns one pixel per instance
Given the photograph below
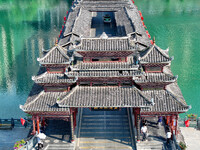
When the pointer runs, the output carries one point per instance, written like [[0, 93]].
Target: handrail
[[132, 127], [177, 147], [30, 144]]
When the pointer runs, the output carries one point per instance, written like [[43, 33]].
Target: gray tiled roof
[[44, 101], [109, 44], [57, 55], [154, 54], [102, 73], [56, 78], [91, 96], [155, 77], [165, 101], [105, 66]]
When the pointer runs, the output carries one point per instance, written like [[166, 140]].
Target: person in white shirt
[[144, 132], [168, 135]]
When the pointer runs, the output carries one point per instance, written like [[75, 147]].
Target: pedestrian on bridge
[[144, 132], [168, 135]]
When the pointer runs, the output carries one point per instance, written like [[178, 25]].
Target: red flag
[[22, 121], [187, 123], [140, 13], [65, 18]]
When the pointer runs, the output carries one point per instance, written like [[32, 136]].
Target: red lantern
[[67, 12], [142, 18], [133, 1], [151, 42], [62, 26], [65, 18], [149, 35], [59, 36], [64, 22], [22, 121], [60, 31], [140, 13]]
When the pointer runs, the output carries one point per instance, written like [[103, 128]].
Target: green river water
[[27, 26]]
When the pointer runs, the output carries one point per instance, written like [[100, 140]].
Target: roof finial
[[56, 42], [154, 41]]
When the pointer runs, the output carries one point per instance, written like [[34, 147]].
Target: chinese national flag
[[22, 121]]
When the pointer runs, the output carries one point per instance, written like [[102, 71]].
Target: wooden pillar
[[68, 88], [168, 120], [33, 118], [126, 59], [74, 115], [38, 124], [72, 125], [161, 68], [176, 128], [172, 124], [145, 69], [137, 114]]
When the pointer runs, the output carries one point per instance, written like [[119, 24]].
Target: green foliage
[[19, 144], [182, 146], [191, 115]]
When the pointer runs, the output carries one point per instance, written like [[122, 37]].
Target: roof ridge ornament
[[56, 42], [154, 40], [104, 36]]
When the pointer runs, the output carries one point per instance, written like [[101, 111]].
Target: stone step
[[104, 123], [107, 130], [104, 143], [149, 145], [106, 148], [106, 127], [102, 135], [116, 139], [104, 119], [106, 116], [60, 146]]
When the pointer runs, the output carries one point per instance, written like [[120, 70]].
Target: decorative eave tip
[[33, 78], [176, 77], [172, 58], [38, 59], [21, 107]]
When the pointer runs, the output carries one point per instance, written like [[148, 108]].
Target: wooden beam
[[33, 119], [38, 124]]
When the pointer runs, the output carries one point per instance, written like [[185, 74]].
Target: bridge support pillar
[[137, 122], [72, 125]]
